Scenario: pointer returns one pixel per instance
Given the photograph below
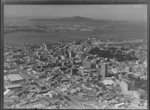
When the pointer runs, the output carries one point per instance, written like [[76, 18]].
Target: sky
[[108, 12]]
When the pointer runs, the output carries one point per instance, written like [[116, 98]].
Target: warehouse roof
[[14, 77], [13, 86]]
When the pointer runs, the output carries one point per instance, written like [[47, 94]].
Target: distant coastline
[[20, 31]]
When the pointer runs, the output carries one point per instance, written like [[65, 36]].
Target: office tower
[[70, 54], [81, 70], [128, 69], [73, 70], [62, 64], [86, 64], [43, 47], [104, 67], [93, 65]]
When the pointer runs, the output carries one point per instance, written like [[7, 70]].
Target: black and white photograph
[[75, 56]]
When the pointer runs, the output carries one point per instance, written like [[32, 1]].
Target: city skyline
[[91, 57]]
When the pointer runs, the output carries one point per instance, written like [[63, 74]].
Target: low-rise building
[[14, 78], [13, 86]]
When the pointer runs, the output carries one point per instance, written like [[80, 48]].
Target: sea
[[120, 31]]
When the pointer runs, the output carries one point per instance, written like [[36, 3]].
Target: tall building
[[74, 70], [124, 86], [86, 64], [69, 54], [128, 69], [93, 65], [62, 63], [81, 70], [103, 70], [43, 47]]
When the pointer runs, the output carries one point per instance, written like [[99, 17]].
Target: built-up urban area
[[88, 74]]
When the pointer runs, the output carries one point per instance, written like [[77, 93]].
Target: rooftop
[[13, 86], [14, 77]]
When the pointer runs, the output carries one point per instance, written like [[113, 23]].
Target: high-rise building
[[128, 69], [103, 70], [43, 47], [86, 64], [62, 63], [73, 70], [70, 54], [93, 65], [81, 70]]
